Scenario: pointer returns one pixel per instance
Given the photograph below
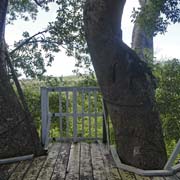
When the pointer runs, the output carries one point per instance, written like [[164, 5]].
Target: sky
[[165, 46]]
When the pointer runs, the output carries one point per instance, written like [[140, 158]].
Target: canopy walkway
[[77, 141]]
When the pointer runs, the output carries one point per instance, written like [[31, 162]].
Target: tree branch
[[39, 3], [18, 86], [26, 41]]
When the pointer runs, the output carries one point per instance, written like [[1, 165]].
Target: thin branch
[[43, 41], [26, 41], [39, 3]]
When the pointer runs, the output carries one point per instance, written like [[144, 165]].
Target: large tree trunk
[[127, 86], [18, 134]]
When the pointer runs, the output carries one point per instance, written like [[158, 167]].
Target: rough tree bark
[[18, 135], [127, 85]]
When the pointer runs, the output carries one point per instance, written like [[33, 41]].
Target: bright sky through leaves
[[166, 46]]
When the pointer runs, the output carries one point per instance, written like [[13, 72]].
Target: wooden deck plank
[[97, 162], [110, 166], [6, 170], [81, 161], [48, 166], [21, 170], [138, 177], [127, 175], [172, 178], [73, 164], [62, 162], [85, 163], [35, 168]]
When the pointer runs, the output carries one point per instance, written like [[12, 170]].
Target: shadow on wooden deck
[[72, 161]]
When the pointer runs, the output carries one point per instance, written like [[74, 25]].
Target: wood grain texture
[[62, 162], [127, 175], [74, 160], [85, 162], [21, 170], [97, 163], [112, 172], [68, 161], [175, 177], [48, 166], [7, 170], [35, 168], [138, 177]]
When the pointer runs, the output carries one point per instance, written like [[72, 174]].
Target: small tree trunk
[[127, 87], [142, 42], [18, 135]]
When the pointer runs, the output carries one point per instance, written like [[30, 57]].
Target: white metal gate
[[80, 114]]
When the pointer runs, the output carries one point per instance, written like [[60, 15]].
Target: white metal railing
[[80, 116], [87, 108]]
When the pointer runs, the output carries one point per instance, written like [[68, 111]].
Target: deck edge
[[163, 172]]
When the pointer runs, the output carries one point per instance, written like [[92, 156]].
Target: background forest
[[167, 95]]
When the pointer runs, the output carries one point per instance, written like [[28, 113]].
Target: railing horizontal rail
[[61, 89], [77, 114], [78, 139]]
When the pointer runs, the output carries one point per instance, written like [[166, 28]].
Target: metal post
[[75, 115], [44, 113], [105, 129], [173, 156]]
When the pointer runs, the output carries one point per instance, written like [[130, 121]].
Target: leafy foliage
[[168, 98], [69, 28], [24, 9], [34, 53], [65, 32]]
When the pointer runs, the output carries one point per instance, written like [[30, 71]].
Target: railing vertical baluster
[[89, 111], [105, 125], [67, 111], [173, 157], [95, 109], [60, 111], [44, 113], [83, 98], [75, 114]]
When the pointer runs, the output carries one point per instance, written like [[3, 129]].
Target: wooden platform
[[80, 161]]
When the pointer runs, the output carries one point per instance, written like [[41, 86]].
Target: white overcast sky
[[166, 46]]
